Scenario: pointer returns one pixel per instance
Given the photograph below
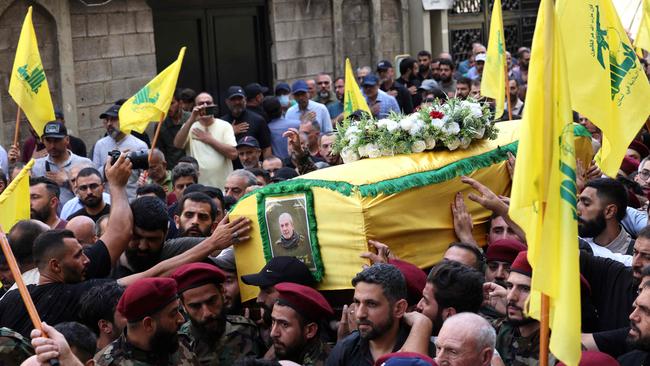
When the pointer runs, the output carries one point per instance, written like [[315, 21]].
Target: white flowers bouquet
[[452, 125]]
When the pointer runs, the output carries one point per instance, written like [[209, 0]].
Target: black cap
[[280, 269], [283, 174], [254, 89], [55, 129], [235, 91], [112, 111], [384, 65], [249, 141], [282, 87]]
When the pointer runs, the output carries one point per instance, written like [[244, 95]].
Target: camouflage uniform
[[516, 350], [123, 353], [240, 339], [14, 348], [314, 354]]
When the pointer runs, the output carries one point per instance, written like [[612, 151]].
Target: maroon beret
[[415, 278], [594, 358], [146, 297], [521, 265], [193, 275], [639, 147], [629, 165], [405, 358], [303, 299], [504, 250]]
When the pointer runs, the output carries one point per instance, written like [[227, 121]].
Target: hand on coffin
[[487, 198], [463, 224]]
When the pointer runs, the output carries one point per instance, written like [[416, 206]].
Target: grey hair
[[250, 177], [286, 215], [484, 334], [364, 68]]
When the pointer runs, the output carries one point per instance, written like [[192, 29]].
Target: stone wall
[[114, 56], [391, 32], [356, 30]]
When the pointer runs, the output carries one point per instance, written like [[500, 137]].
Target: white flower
[[349, 155], [430, 142], [451, 128], [362, 151], [352, 130], [479, 133], [464, 142], [474, 107], [418, 125], [392, 125], [437, 123], [373, 150], [453, 145], [384, 122], [418, 146], [354, 139], [406, 124]]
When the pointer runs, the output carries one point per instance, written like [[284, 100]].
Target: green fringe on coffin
[[396, 185]]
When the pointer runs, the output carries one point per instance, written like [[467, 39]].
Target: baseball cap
[[428, 85], [282, 87], [370, 80], [235, 91], [248, 141], [480, 57], [55, 129], [253, 89], [280, 269], [384, 65], [112, 111], [283, 174], [299, 86]]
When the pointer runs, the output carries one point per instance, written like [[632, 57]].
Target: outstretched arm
[[120, 222]]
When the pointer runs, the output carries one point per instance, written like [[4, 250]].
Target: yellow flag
[[28, 85], [493, 84], [543, 200], [353, 99], [14, 201], [642, 39], [609, 85], [151, 103]]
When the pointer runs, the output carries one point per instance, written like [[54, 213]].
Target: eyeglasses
[[92, 187], [644, 174]]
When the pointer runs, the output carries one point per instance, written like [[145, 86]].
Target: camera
[[210, 110], [139, 159]]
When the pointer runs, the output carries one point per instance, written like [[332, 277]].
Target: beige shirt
[[214, 166]]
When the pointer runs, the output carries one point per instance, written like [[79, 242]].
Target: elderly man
[[158, 172], [84, 229], [465, 339], [249, 152], [290, 238], [237, 182], [380, 103]]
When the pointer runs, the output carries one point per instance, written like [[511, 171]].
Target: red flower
[[436, 114]]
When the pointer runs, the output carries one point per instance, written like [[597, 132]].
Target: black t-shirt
[[171, 248], [77, 146], [612, 342], [256, 127], [635, 358], [82, 212], [55, 302], [416, 98], [168, 132], [260, 111], [612, 290]]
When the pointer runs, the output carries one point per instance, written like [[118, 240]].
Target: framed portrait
[[288, 228]]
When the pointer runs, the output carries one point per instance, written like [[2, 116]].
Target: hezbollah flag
[[611, 88], [353, 99], [14, 201], [151, 103], [28, 85], [493, 84], [543, 199], [642, 39]]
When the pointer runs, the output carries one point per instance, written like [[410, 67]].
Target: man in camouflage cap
[[518, 338], [214, 337], [151, 308], [296, 324]]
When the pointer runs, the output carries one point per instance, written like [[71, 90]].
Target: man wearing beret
[[518, 338], [151, 308], [231, 293], [499, 256], [215, 339], [296, 329]]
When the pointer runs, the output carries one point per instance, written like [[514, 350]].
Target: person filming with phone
[[211, 141]]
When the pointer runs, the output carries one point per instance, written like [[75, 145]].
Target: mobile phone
[[210, 110]]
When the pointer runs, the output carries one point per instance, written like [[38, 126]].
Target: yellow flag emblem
[[353, 99]]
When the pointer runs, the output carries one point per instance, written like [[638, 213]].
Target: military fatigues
[[516, 350], [240, 339], [123, 353], [315, 354], [14, 348]]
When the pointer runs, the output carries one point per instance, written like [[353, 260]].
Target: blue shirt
[[279, 126], [335, 109], [322, 115], [387, 103]]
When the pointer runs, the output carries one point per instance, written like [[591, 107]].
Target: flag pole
[[155, 135], [508, 93], [17, 131]]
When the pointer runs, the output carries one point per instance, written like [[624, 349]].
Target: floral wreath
[[454, 124]]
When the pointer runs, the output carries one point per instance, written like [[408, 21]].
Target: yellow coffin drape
[[391, 199]]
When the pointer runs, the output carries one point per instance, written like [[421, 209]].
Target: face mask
[[284, 100]]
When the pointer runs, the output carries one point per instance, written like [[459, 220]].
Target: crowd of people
[[129, 258]]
